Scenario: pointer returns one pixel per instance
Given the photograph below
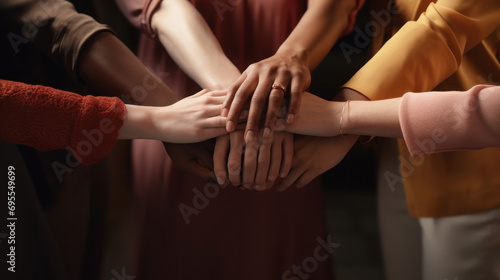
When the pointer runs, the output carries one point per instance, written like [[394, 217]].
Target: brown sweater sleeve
[[54, 26]]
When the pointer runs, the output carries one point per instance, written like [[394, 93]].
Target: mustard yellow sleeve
[[425, 52]]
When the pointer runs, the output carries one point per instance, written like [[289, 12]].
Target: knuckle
[[253, 67], [233, 167], [284, 70], [205, 101], [298, 74]]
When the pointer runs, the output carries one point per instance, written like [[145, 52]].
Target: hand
[[315, 155], [192, 119], [262, 161], [316, 117], [290, 71], [195, 159]]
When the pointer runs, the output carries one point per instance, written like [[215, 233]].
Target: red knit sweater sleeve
[[47, 119]]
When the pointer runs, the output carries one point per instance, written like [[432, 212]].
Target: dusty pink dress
[[237, 234]]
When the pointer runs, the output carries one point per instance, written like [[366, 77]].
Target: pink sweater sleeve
[[448, 121]]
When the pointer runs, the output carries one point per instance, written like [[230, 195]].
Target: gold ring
[[279, 86]]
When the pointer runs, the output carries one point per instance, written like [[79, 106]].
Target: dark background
[[349, 188]]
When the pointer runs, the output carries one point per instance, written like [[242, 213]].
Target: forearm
[[317, 31], [190, 42], [374, 118], [138, 123], [319, 117], [112, 69]]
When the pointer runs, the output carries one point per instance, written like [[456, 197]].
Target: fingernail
[[224, 112], [258, 187], [270, 178], [246, 186], [283, 174], [229, 126], [290, 118], [267, 133], [221, 180], [250, 137]]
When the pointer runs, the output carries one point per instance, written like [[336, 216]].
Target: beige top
[[447, 45]]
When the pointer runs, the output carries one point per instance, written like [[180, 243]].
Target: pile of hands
[[269, 131]]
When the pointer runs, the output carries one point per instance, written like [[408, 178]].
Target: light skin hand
[[193, 119], [109, 67], [318, 117], [315, 155]]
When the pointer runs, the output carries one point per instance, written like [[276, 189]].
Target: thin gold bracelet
[[342, 116]]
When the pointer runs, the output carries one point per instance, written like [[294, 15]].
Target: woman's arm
[[319, 117], [47, 119], [189, 41], [193, 119], [319, 28], [185, 35], [187, 38], [430, 122]]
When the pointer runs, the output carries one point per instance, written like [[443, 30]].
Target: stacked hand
[[254, 161], [255, 165], [267, 82]]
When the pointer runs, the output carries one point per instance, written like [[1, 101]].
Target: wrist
[[343, 128], [138, 123], [297, 53], [335, 108]]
